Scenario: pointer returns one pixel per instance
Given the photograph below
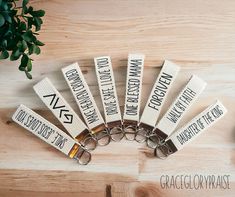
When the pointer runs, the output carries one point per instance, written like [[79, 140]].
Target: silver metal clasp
[[116, 130], [82, 156], [154, 140], [130, 128], [101, 133], [143, 132], [162, 151], [87, 140]]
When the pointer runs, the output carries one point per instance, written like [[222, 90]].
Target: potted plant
[[19, 26]]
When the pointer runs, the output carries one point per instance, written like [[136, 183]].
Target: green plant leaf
[[28, 36], [29, 76], [37, 23], [30, 9], [23, 62], [30, 22], [12, 44], [30, 47], [4, 5], [25, 2], [24, 7], [4, 43], [29, 65], [8, 33], [22, 26], [21, 68], [15, 55], [7, 17], [4, 54], [19, 44], [13, 12], [18, 32], [39, 43], [36, 49], [24, 45], [38, 13], [24, 10], [2, 20]]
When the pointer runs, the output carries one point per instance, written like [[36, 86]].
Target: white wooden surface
[[197, 35]]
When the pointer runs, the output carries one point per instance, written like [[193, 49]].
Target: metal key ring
[[130, 130], [89, 143], [115, 131], [103, 137], [162, 151], [141, 135], [83, 157], [154, 141]]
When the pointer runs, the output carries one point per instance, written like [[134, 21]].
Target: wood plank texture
[[197, 35]]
